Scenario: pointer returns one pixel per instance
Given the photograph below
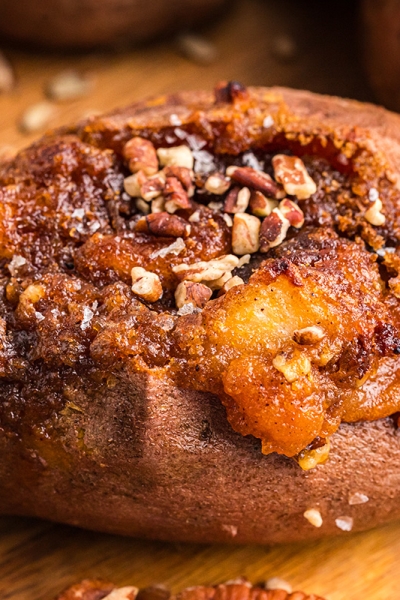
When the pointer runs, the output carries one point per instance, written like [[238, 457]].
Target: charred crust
[[229, 92]]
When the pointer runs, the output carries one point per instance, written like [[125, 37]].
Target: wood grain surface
[[38, 559]]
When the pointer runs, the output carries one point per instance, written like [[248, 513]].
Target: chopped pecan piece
[[310, 458], [175, 196], [143, 206], [153, 187], [260, 205], [232, 282], [273, 230], [189, 292], [158, 205], [374, 215], [229, 91], [245, 234], [125, 593], [256, 180], [211, 270], [163, 224], [184, 175], [133, 184], [291, 172], [217, 184], [176, 156], [309, 335], [292, 212], [146, 285], [292, 366], [237, 200], [141, 156]]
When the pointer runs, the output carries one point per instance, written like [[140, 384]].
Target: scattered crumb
[[314, 517], [68, 85], [196, 48], [7, 77], [344, 523], [37, 117]]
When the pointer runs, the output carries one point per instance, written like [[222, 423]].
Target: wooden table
[[38, 559]]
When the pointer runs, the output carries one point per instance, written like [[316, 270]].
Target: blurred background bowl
[[90, 23]]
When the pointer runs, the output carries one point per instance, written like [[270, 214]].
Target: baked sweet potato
[[166, 332], [89, 23]]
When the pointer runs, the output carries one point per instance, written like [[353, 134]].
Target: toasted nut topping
[[195, 217], [230, 91], [32, 294], [374, 216], [245, 234], [133, 184], [217, 184], [256, 180], [218, 284], [184, 175], [37, 117], [68, 85], [292, 173], [232, 282], [292, 367], [189, 292], [309, 335], [124, 593], [358, 498], [177, 156], [176, 197], [276, 583], [260, 205], [153, 187], [292, 212], [344, 523], [211, 270], [313, 516], [141, 156], [145, 284], [215, 205], [228, 220], [163, 225], [273, 230], [143, 206], [158, 205], [309, 459], [237, 200]]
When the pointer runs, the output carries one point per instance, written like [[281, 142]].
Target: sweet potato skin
[[138, 456]]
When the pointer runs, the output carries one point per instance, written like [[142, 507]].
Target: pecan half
[[292, 212], [273, 230], [291, 172], [176, 156], [189, 292], [175, 196], [146, 285], [245, 234], [237, 200], [256, 180], [141, 156], [163, 224]]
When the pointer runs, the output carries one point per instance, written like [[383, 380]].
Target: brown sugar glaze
[[68, 312]]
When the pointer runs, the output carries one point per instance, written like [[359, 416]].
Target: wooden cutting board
[[38, 559]]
